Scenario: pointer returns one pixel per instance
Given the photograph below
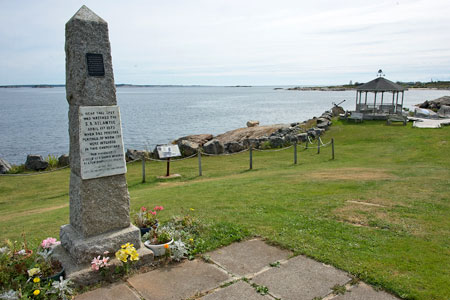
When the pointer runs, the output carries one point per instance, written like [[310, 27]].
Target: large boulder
[[436, 103], [252, 123], [425, 113], [63, 160], [233, 147], [4, 166], [188, 148], [276, 141], [36, 163], [254, 143], [302, 137], [444, 111], [213, 147], [133, 154], [241, 134], [199, 139], [337, 110]]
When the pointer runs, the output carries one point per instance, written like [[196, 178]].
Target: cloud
[[229, 41]]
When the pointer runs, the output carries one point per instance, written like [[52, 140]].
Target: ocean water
[[34, 120]]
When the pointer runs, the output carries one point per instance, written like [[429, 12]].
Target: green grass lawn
[[380, 210]]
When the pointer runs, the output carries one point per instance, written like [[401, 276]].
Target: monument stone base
[[83, 275], [83, 250]]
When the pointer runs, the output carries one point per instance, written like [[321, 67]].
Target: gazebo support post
[[396, 103], [382, 96], [403, 94], [374, 102]]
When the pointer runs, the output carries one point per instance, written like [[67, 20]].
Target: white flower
[[4, 250], [22, 252], [9, 295], [179, 251], [62, 288]]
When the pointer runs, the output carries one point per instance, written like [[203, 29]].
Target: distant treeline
[[417, 84]]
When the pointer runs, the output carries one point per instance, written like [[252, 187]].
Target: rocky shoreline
[[233, 141], [255, 136]]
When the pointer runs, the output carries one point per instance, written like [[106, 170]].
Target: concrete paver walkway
[[241, 271]]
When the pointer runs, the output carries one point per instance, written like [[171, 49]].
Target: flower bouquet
[[146, 218]]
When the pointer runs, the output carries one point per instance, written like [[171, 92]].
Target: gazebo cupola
[[379, 104]]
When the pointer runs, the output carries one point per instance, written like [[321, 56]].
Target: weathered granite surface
[[99, 207]]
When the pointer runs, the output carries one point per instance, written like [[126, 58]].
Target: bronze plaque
[[95, 64]]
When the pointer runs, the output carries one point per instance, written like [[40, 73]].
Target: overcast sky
[[230, 42]]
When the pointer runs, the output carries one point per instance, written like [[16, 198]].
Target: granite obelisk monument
[[99, 199]]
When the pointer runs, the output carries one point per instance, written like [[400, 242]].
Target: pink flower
[[153, 213], [158, 208], [49, 242], [105, 261], [143, 208]]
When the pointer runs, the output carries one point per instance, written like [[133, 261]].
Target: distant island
[[438, 85]]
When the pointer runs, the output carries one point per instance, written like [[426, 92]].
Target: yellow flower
[[126, 245], [36, 292], [191, 240], [121, 255], [191, 209], [134, 256], [33, 271], [36, 279]]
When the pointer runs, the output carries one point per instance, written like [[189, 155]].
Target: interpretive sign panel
[[101, 144], [168, 151]]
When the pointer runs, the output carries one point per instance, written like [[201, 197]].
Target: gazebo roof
[[380, 84]]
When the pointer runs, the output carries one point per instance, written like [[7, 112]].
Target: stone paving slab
[[365, 292], [178, 281], [248, 257], [117, 291], [301, 278], [237, 291]]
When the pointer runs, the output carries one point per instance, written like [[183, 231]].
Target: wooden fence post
[[251, 157], [332, 148], [199, 163], [295, 153], [318, 145], [143, 168]]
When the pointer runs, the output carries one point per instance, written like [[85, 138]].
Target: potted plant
[[158, 240], [50, 269], [146, 218], [26, 274]]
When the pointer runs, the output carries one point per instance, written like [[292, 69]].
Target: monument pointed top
[[87, 15]]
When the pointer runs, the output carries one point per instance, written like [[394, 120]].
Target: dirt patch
[[365, 203], [369, 214], [181, 183], [352, 174], [31, 212]]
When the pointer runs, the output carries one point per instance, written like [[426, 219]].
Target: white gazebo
[[379, 105]]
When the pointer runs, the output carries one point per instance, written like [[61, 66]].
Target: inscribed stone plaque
[[95, 64], [167, 151], [101, 144]]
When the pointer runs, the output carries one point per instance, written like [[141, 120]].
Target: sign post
[[168, 151]]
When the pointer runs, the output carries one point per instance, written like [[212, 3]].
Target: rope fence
[[320, 144]]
